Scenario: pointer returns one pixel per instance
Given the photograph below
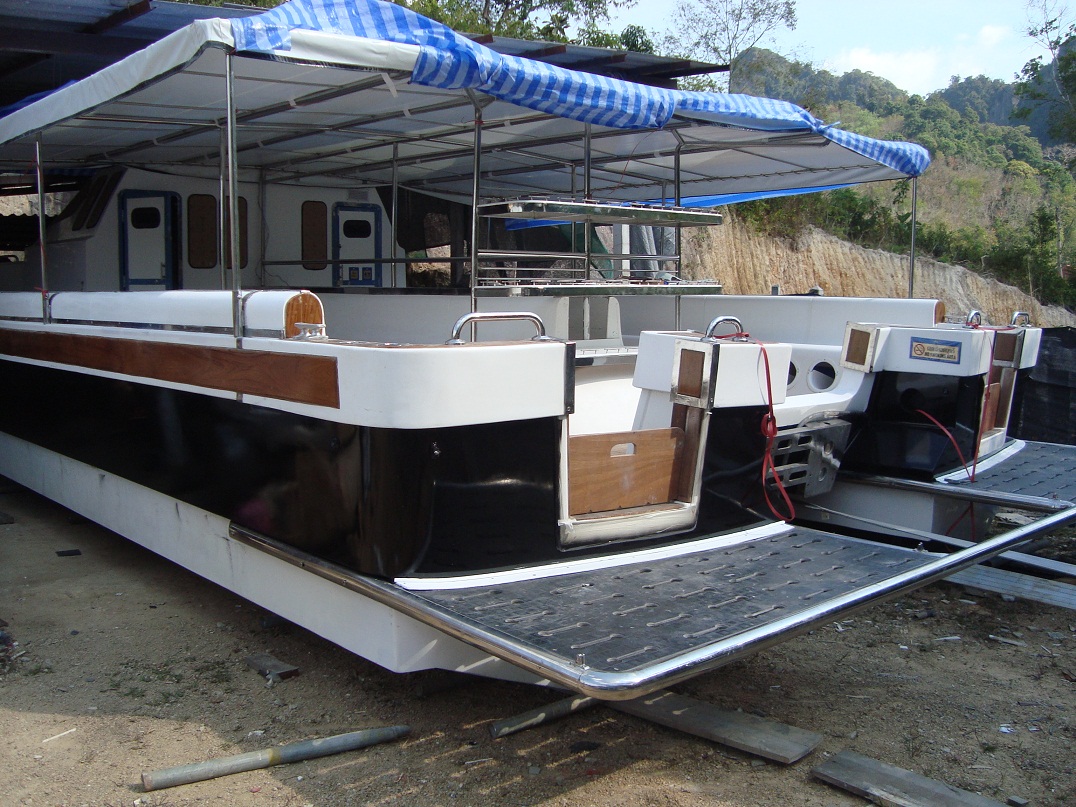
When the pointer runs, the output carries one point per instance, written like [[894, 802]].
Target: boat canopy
[[359, 92]]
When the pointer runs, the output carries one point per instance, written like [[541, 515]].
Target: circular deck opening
[[822, 376]]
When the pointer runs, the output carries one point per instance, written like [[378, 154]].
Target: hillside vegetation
[[999, 198]]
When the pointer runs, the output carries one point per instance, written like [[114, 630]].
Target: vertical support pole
[[575, 193], [676, 200], [476, 188], [233, 202], [40, 171], [587, 226], [222, 211], [911, 253], [263, 199], [395, 211]]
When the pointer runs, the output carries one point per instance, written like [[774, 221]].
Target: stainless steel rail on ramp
[[622, 632], [1028, 475]]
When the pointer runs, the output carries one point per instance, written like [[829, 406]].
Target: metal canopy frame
[[233, 116]]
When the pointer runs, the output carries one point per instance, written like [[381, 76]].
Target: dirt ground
[[125, 663]]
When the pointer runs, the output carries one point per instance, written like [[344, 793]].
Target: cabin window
[[315, 235], [202, 231], [357, 228], [89, 205], [145, 218]]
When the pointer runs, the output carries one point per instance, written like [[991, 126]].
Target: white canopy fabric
[[328, 106]]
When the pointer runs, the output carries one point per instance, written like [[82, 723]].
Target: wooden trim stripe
[[283, 376]]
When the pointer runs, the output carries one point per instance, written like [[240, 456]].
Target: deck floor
[[1042, 470], [628, 618]]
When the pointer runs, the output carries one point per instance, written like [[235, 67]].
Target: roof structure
[[45, 44], [353, 92]]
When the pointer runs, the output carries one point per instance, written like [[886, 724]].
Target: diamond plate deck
[[1040, 470], [633, 616], [623, 631]]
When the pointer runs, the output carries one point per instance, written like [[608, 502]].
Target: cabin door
[[149, 244], [357, 245]]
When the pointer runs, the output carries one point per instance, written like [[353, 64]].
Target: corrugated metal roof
[[45, 44]]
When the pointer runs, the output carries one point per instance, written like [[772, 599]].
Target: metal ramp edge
[[1031, 476], [678, 617]]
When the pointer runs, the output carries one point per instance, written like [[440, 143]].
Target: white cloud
[[991, 36], [915, 71], [924, 70]]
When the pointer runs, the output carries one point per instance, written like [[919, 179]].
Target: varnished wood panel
[[602, 476], [690, 419], [284, 376], [306, 307]]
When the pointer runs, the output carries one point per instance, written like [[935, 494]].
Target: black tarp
[[1044, 406]]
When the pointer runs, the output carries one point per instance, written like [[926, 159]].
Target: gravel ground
[[118, 662]]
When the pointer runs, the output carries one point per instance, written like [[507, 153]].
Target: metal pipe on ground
[[280, 755], [543, 714]]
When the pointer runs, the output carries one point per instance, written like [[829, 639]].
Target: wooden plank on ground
[[1015, 584], [891, 786], [755, 735]]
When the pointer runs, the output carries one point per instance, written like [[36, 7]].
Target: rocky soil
[[116, 662], [750, 264]]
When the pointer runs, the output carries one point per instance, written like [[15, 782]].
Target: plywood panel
[[623, 469]]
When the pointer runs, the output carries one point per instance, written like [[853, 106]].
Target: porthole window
[[145, 218], [357, 228]]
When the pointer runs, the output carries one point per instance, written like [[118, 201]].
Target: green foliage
[[256, 3], [720, 30], [1051, 86], [993, 201], [547, 20], [633, 38]]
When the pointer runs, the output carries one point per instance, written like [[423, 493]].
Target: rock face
[[747, 263]]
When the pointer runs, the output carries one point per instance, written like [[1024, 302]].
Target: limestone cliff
[[747, 263]]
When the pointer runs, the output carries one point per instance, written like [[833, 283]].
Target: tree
[[524, 19], [720, 30], [256, 3], [1053, 84]]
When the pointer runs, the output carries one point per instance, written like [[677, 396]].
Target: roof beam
[[120, 17], [46, 43]]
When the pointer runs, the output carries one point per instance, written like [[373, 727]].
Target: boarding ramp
[[1024, 475], [636, 623]]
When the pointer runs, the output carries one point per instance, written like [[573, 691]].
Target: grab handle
[[724, 319], [497, 316]]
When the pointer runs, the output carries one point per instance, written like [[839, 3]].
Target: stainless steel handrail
[[497, 316], [718, 321], [1017, 316]]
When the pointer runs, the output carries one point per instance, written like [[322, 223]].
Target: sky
[[916, 44]]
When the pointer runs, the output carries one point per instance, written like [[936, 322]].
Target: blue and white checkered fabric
[[450, 61]]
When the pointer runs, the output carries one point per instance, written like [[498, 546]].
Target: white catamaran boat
[[561, 464]]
